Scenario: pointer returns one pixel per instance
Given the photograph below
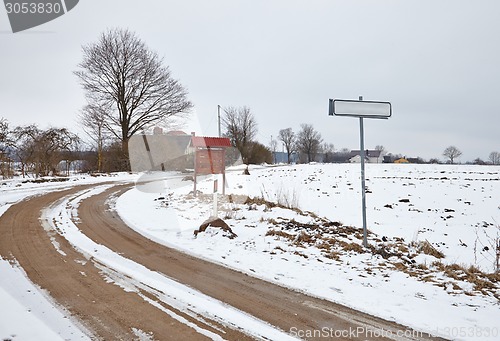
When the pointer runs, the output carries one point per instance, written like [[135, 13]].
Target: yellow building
[[402, 160]]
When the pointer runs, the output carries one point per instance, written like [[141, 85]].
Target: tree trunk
[[99, 160], [99, 149], [125, 156]]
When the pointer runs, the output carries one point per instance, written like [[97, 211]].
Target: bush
[[259, 154]]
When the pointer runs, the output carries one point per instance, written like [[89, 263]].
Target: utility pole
[[218, 118], [273, 145]]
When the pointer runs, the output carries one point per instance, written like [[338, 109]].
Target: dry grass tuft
[[303, 237], [272, 221], [300, 254], [355, 247], [437, 264], [279, 233], [482, 282], [428, 249], [400, 266], [333, 255]]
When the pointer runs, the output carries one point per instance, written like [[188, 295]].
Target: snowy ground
[[28, 313], [310, 241], [411, 208]]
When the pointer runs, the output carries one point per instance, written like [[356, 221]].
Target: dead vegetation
[[337, 242], [483, 282], [427, 248], [282, 234]]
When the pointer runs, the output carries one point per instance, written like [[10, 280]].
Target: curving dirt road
[[109, 312]]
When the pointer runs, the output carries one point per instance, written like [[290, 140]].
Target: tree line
[[241, 128], [29, 150], [128, 91], [307, 143]]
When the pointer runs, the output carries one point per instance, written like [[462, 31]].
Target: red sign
[[210, 158], [210, 161]]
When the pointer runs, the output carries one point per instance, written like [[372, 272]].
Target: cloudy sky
[[437, 62]]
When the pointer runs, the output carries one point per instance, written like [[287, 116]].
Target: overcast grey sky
[[438, 62]]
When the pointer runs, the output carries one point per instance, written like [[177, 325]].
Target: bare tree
[[381, 149], [41, 150], [328, 150], [287, 136], [452, 153], [52, 146], [241, 129], [4, 136], [121, 73], [495, 158], [5, 161], [25, 146], [93, 119], [478, 161], [4, 133], [308, 141]]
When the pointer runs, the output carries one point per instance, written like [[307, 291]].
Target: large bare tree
[[241, 129], [121, 74], [287, 136], [452, 153]]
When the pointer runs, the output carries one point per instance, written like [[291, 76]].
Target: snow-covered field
[[298, 226], [451, 209]]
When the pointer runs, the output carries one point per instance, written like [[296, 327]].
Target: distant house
[[402, 160], [160, 151], [340, 157], [415, 160], [371, 156]]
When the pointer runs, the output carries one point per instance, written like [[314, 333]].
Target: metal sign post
[[363, 186], [216, 187], [361, 109]]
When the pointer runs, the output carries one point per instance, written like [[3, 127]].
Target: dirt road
[[110, 312]]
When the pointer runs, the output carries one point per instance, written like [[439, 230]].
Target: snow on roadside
[[438, 305], [27, 312]]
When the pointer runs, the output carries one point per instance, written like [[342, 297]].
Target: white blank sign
[[369, 109]]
